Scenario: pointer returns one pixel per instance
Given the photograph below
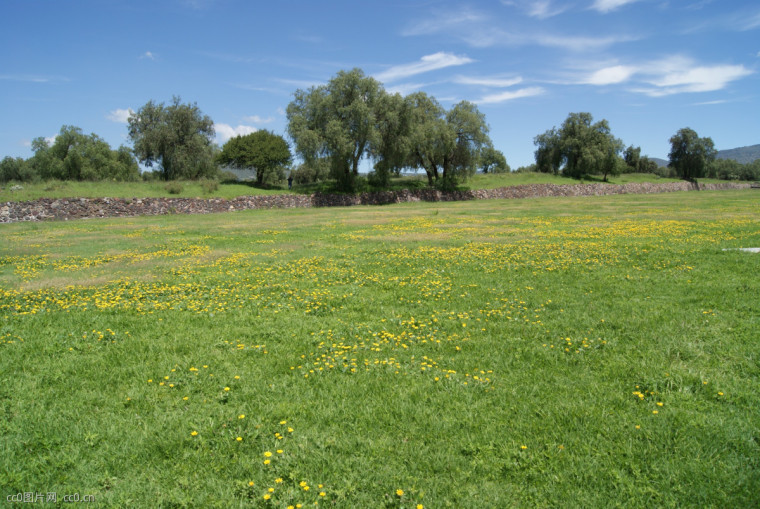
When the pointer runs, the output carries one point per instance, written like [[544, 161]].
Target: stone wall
[[78, 208]]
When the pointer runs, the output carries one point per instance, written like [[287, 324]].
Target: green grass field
[[195, 189], [562, 352]]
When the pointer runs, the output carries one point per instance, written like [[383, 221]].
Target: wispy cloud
[[225, 131], [605, 6], [750, 22], [483, 81], [511, 95], [427, 63], [479, 30], [258, 120], [672, 75], [540, 9], [709, 103], [148, 55], [32, 78], [119, 115]]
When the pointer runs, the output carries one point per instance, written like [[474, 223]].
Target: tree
[[632, 156], [15, 169], [690, 155], [178, 137], [265, 152], [76, 156], [493, 161], [549, 152], [579, 147], [337, 120], [391, 146], [447, 145]]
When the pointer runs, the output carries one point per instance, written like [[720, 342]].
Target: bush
[[174, 188], [209, 185]]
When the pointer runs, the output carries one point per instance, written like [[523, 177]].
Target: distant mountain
[[742, 155]]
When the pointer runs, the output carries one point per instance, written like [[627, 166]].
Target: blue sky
[[650, 67]]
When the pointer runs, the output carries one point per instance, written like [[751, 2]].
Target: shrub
[[209, 185], [173, 188]]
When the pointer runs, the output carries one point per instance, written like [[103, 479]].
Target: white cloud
[[606, 6], [708, 103], [149, 55], [577, 43], [427, 63], [611, 75], [487, 81], [32, 78], [119, 115], [225, 131], [672, 75], [541, 9], [509, 96], [404, 88], [481, 31], [258, 120]]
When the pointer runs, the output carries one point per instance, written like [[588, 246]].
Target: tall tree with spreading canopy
[[579, 147], [337, 120], [265, 152], [447, 145], [690, 155], [177, 137]]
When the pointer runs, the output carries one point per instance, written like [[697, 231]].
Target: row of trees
[[352, 117], [73, 155], [337, 125], [581, 147]]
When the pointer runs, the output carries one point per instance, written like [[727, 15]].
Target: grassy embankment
[[587, 352], [193, 189]]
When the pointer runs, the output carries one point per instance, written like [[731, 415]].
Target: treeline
[[335, 126], [581, 147], [73, 155]]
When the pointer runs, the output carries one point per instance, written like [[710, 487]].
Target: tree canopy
[[338, 121], [178, 137], [265, 152], [76, 156], [579, 147], [690, 155], [352, 117]]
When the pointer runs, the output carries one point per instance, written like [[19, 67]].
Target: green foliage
[[209, 186], [337, 120], [76, 156], [690, 155], [353, 117], [265, 152], [447, 145], [16, 169], [493, 161], [173, 187], [632, 156], [177, 137], [579, 148], [729, 169]]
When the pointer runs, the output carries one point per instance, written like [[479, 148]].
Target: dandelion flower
[[523, 447], [241, 416], [267, 496], [400, 492], [194, 433], [239, 439], [250, 483], [278, 480], [322, 494], [267, 462], [268, 454], [226, 388], [659, 403]]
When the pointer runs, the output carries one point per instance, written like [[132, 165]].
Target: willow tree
[[337, 121]]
